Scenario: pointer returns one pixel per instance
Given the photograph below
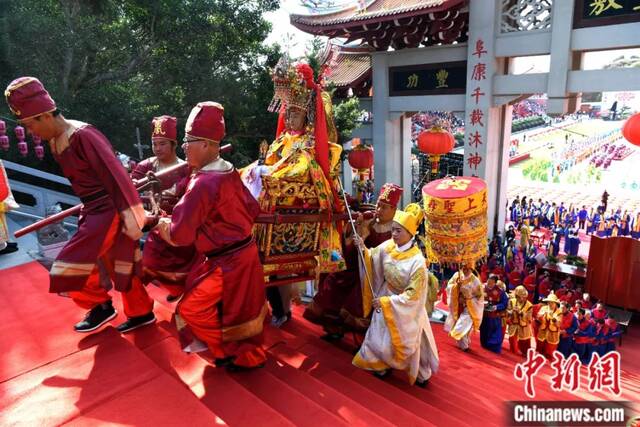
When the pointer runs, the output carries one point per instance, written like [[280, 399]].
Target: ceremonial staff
[[76, 209], [355, 234]]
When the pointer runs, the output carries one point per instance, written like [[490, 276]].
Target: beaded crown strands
[[291, 86]]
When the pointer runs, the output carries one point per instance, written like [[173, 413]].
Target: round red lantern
[[435, 142], [4, 142], [4, 139], [19, 131], [39, 150], [23, 148], [631, 129], [361, 157]]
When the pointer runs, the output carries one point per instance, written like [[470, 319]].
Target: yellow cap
[[521, 291], [410, 218]]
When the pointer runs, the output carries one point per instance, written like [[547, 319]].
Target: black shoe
[[96, 317], [172, 298], [422, 383], [225, 361], [135, 322], [11, 247], [332, 337], [232, 367], [382, 374]]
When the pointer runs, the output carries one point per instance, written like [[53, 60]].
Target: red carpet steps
[[50, 375]]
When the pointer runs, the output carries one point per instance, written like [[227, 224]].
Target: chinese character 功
[[476, 117], [477, 94], [475, 139], [528, 369], [412, 81], [479, 48], [441, 76], [605, 372], [566, 372], [432, 204], [600, 6], [479, 71], [474, 161]]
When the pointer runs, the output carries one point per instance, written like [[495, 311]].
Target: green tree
[[118, 63]]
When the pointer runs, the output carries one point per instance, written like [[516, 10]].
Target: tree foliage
[[118, 63]]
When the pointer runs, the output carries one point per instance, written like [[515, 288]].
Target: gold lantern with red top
[[456, 220], [435, 142]]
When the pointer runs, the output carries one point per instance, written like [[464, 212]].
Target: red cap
[[206, 121], [164, 127], [28, 98], [390, 194]]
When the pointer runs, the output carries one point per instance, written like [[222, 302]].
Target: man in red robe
[[338, 304], [163, 264], [110, 221], [224, 301]]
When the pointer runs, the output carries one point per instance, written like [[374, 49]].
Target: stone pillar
[[485, 127], [561, 59], [405, 160]]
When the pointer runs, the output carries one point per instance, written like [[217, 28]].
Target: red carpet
[[50, 375]]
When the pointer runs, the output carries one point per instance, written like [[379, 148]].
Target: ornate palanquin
[[288, 230]]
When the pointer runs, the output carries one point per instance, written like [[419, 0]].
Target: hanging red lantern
[[23, 148], [37, 146], [631, 129], [435, 142], [19, 131], [361, 157], [4, 139], [39, 150]]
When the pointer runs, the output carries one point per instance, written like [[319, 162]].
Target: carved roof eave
[[342, 27]]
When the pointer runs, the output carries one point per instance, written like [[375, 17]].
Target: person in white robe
[[465, 298], [394, 280]]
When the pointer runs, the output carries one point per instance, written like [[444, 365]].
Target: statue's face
[[295, 118]]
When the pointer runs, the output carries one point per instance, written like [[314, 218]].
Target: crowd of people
[[201, 248], [562, 221], [426, 120], [528, 108]]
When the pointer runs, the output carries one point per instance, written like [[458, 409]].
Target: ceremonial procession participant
[[111, 218], [305, 151], [568, 325], [613, 333], [548, 334], [496, 300], [583, 337], [164, 264], [465, 298], [519, 315], [7, 203], [394, 279], [433, 288], [338, 304], [635, 229], [224, 300]]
